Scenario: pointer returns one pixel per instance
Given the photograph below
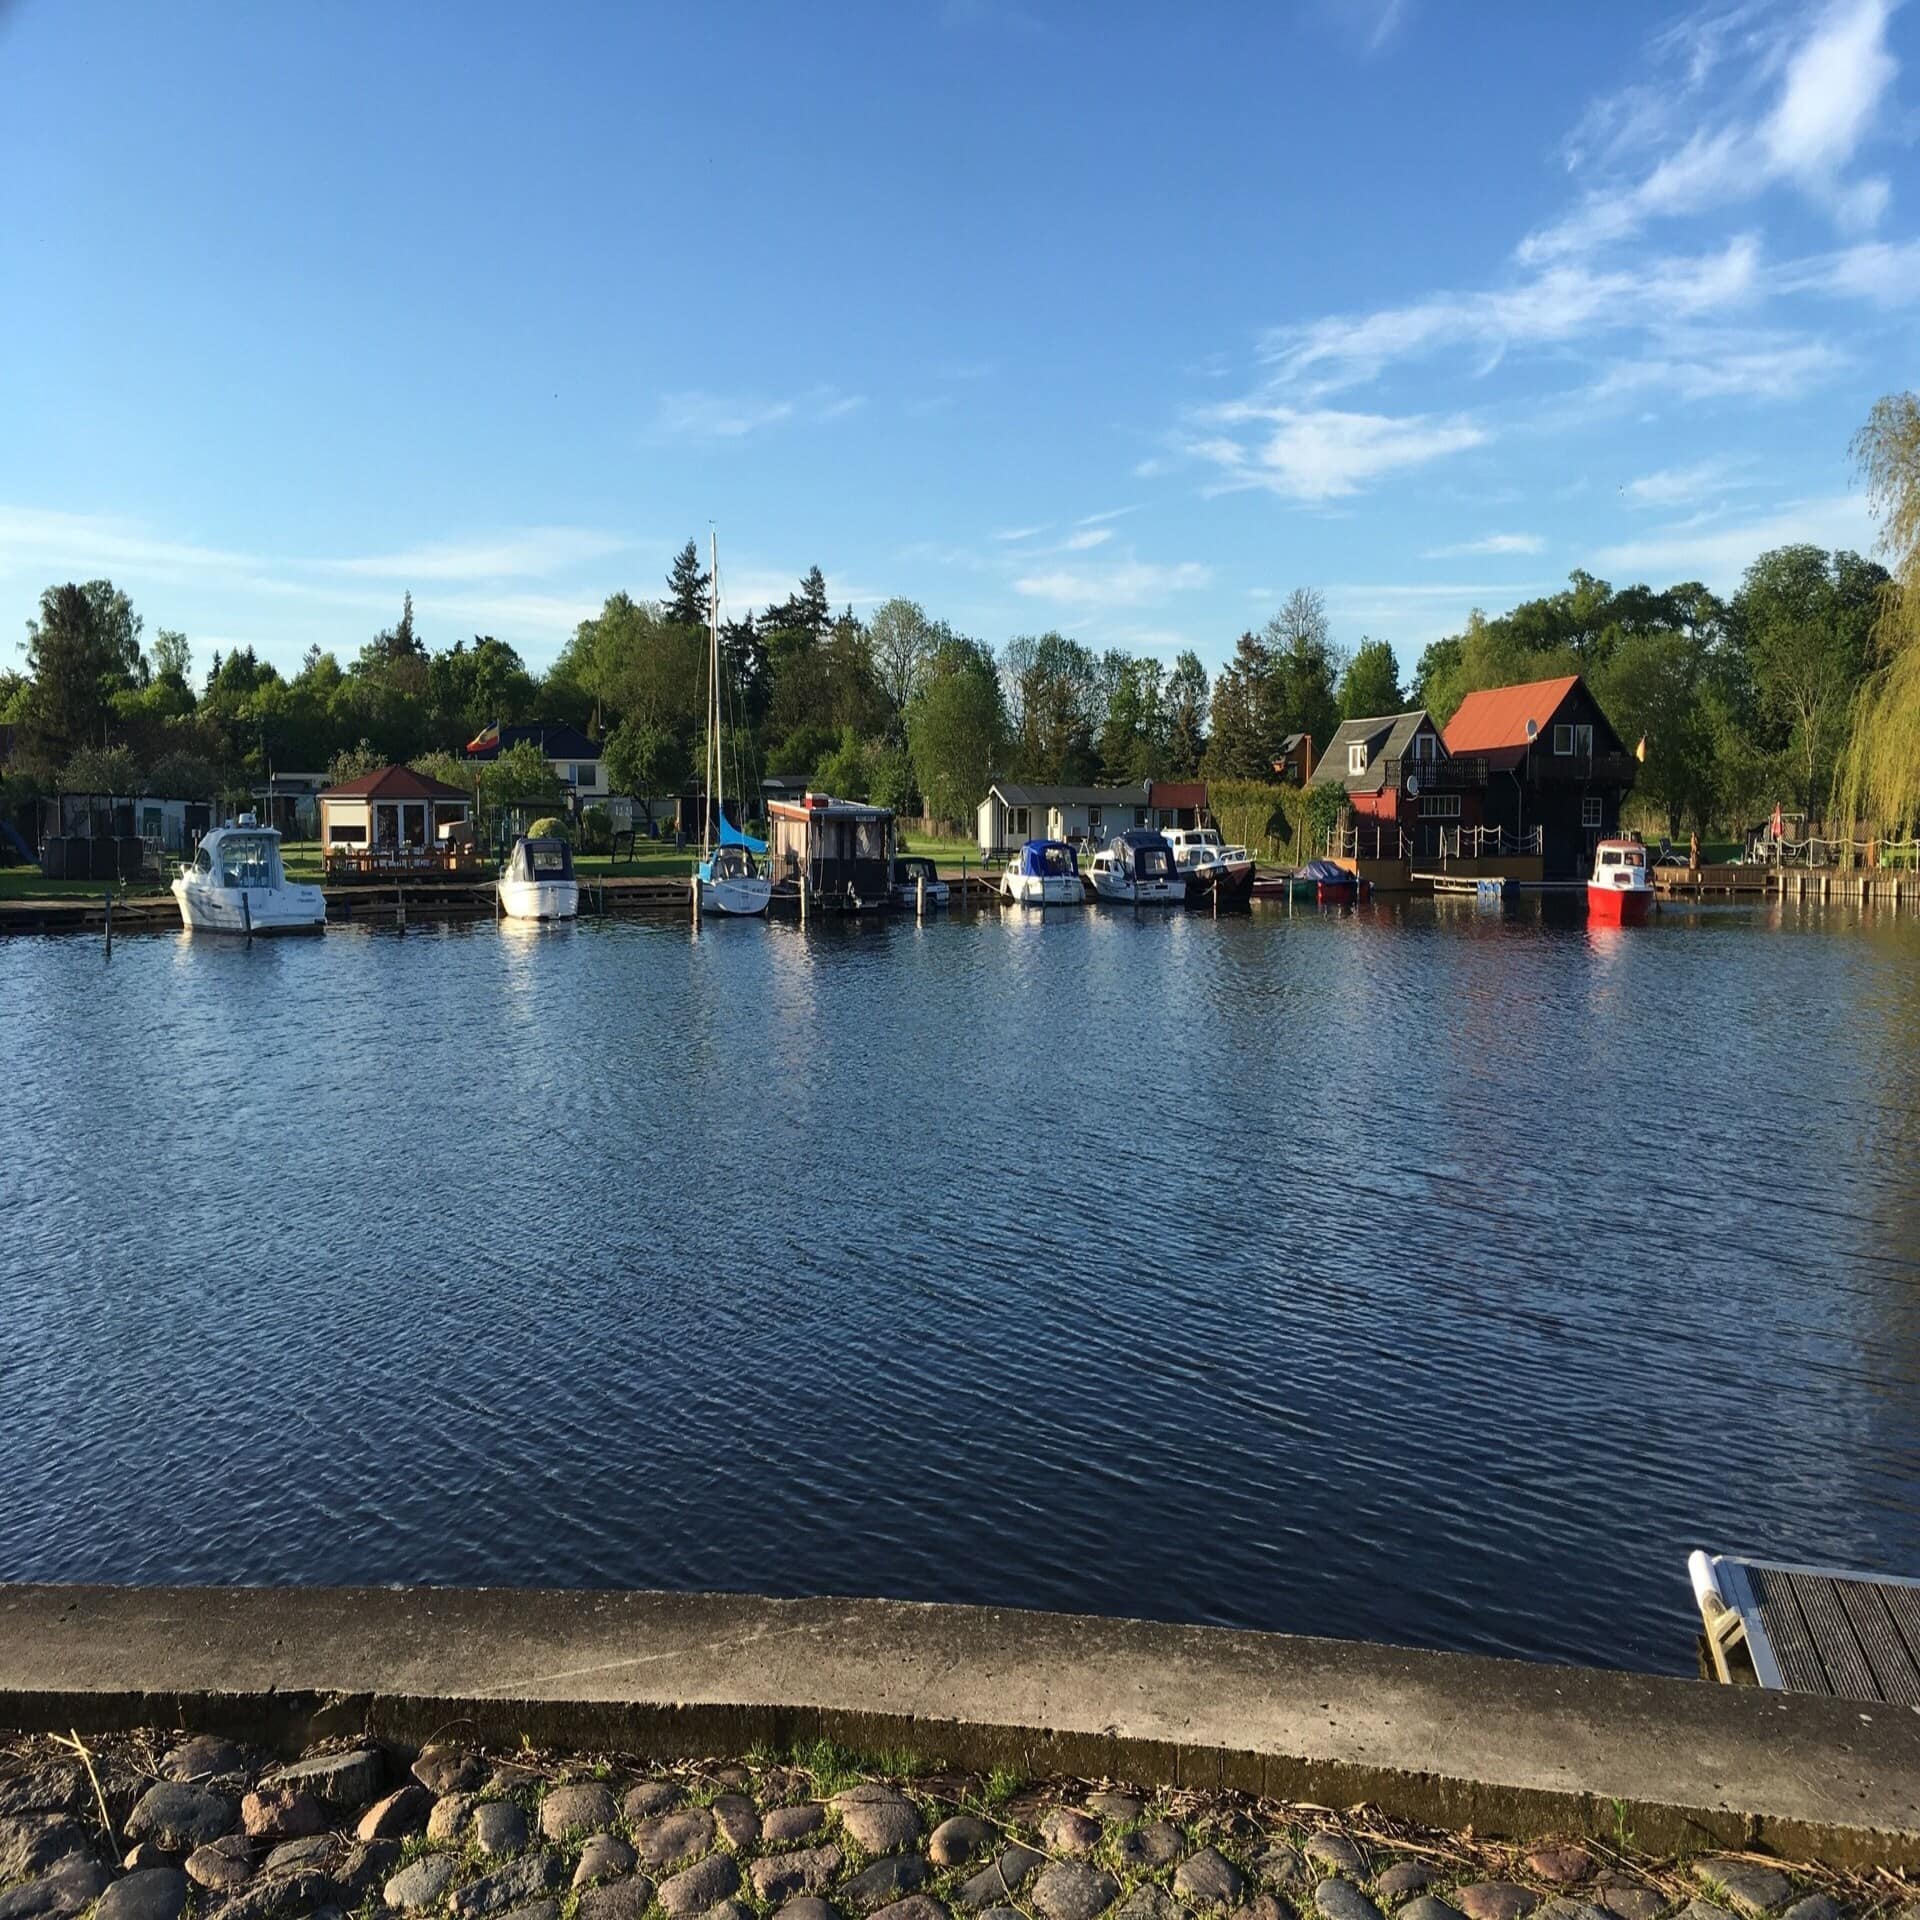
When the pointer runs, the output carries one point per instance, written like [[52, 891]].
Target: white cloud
[[1125, 583], [1881, 272], [694, 414], [1834, 85], [1719, 554], [1719, 367], [1088, 537], [1149, 469], [93, 544], [1324, 454], [533, 551], [1100, 519], [1490, 543], [1671, 487], [1023, 533]]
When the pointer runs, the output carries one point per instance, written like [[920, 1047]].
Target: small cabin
[[396, 821], [841, 849]]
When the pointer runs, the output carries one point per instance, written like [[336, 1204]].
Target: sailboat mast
[[714, 786]]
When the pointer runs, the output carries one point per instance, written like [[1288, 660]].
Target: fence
[[1489, 843]]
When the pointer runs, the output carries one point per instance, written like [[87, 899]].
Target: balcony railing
[[1580, 769], [1444, 772]]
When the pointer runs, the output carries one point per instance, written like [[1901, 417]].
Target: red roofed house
[[1555, 767], [394, 821]]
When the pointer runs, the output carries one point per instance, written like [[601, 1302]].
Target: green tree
[[645, 761], [520, 774], [1053, 707], [349, 763], [1805, 621], [1650, 686], [1184, 722], [182, 775], [957, 729], [172, 657], [1371, 683], [100, 770], [687, 583], [470, 688], [903, 642], [1132, 744], [1298, 693], [77, 661], [1244, 736], [847, 771]]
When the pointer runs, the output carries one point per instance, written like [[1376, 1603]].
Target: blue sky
[[1123, 319]]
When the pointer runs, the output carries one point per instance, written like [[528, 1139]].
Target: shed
[[395, 820]]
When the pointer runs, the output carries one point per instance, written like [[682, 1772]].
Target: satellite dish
[[1533, 729], [1413, 785]]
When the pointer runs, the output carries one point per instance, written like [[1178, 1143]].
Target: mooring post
[[696, 903], [803, 897], [246, 914], [965, 898], [920, 897], [109, 922], [400, 907]]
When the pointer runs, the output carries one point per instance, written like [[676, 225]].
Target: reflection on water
[[1425, 1273]]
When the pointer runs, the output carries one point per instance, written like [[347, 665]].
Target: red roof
[[1496, 718], [395, 783], [1178, 793]]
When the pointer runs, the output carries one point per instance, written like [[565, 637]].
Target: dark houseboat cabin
[[842, 849]]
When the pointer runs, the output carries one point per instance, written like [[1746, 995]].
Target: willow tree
[[1880, 772]]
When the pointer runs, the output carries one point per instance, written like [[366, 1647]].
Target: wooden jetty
[[1898, 886], [1807, 1629]]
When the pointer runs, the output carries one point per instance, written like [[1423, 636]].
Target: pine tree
[[687, 585]]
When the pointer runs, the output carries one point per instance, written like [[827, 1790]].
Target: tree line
[[1742, 701]]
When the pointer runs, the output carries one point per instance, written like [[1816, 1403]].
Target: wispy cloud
[[1321, 454], [530, 552], [1719, 552], [1101, 519], [1688, 486], [1489, 543], [1882, 273], [1023, 533], [1087, 537], [694, 414], [95, 544], [1124, 583]]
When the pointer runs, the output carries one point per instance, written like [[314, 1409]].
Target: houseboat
[[1210, 868], [1620, 889], [840, 851], [1137, 869], [912, 871], [537, 882], [1044, 874], [236, 884]]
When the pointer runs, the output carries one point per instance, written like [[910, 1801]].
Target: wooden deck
[[1793, 883], [1804, 1629]]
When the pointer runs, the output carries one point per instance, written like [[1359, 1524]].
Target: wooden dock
[[1859, 884], [1804, 1629]]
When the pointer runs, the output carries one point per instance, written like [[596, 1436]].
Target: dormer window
[[1357, 757]]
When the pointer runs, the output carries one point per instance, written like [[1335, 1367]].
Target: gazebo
[[396, 821]]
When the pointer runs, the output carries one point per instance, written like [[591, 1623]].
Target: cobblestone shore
[[158, 1827]]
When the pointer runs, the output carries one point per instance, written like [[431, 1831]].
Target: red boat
[[1620, 889]]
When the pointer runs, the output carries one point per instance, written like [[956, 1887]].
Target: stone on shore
[[995, 1885], [781, 1826], [626, 1899], [1560, 1866], [203, 1758], [588, 1808], [71, 1888], [649, 1797], [450, 1817], [879, 1818], [701, 1886], [1749, 1886], [778, 1877], [1158, 1844], [366, 1867], [916, 1906], [1146, 1903], [339, 1780], [160, 1893], [1208, 1879], [46, 1786], [1404, 1877], [1067, 1830], [1334, 1853], [221, 1865], [1118, 1807], [954, 1842], [1495, 1900], [537, 1910], [399, 1814], [423, 1883], [1280, 1866], [1337, 1899], [884, 1883], [499, 1827], [177, 1818], [1264, 1906], [1816, 1906], [1427, 1908], [141, 1855], [281, 1813], [446, 1769], [669, 1838], [311, 1850], [806, 1906], [738, 1820], [1069, 1890], [522, 1881], [604, 1857], [35, 1843]]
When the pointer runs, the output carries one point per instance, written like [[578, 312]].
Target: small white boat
[[537, 882], [1211, 868], [1137, 869], [236, 884], [1620, 889], [1044, 874], [910, 871], [730, 881]]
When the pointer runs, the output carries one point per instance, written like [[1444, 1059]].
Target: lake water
[[1417, 1274]]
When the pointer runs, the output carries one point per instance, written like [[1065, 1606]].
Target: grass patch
[[831, 1768]]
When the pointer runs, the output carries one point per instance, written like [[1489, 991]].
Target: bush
[[1263, 816], [596, 830], [552, 826]]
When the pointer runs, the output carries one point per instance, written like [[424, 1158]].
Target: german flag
[[485, 738]]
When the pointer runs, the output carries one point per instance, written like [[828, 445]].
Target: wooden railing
[[1601, 769], [1449, 770]]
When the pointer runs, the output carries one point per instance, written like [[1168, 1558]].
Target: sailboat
[[729, 876]]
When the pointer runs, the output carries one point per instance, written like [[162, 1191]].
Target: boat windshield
[[731, 863], [550, 859], [1623, 856], [246, 860]]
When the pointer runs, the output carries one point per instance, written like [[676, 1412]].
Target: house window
[[1017, 822], [1423, 746], [339, 836], [1563, 739], [1093, 819], [1583, 742], [1590, 810], [1439, 806], [1357, 757]]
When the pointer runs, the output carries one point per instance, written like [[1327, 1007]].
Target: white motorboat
[[728, 880], [1044, 873], [1137, 869], [538, 883], [911, 873], [236, 884], [1210, 867]]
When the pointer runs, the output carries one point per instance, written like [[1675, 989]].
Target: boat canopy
[[731, 836], [241, 857], [909, 867], [1327, 872], [1044, 857], [545, 859], [1146, 855], [731, 862]]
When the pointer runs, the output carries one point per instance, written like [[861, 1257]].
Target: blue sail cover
[[731, 836], [1048, 856]]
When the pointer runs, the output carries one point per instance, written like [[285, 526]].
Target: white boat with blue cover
[[538, 881], [729, 879], [1137, 869], [1044, 873], [237, 884]]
